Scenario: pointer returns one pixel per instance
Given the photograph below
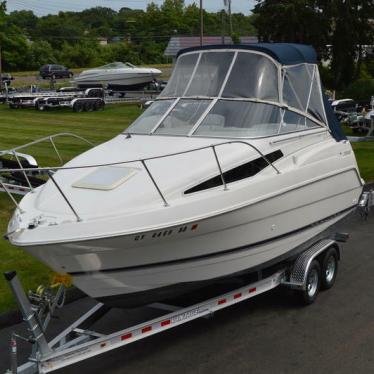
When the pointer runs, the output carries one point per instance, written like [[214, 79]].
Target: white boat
[[117, 75], [237, 165]]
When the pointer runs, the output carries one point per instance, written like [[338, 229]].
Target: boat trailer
[[314, 267], [89, 100]]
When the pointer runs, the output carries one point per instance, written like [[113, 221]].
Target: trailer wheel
[[41, 107], [13, 106], [78, 107], [313, 283], [329, 268], [89, 106], [99, 105]]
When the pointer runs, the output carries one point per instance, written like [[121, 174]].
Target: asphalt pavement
[[267, 334]]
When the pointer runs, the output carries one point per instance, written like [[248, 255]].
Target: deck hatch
[[105, 178], [243, 171]]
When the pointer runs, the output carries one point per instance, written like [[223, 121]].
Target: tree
[[292, 21], [24, 19], [41, 53], [13, 44], [71, 37], [346, 25], [58, 30]]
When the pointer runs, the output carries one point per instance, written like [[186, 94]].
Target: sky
[[43, 7]]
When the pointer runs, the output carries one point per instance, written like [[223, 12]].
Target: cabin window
[[210, 74], [148, 120], [253, 76], [181, 76], [240, 119], [246, 170], [183, 117]]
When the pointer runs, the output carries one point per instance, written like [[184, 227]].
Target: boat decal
[[187, 315], [167, 232]]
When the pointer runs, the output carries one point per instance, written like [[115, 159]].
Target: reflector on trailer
[[146, 329]]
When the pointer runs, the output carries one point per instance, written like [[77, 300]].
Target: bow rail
[[143, 161]]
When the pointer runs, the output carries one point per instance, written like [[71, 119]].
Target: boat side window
[[295, 122], [302, 91], [246, 170], [231, 118], [210, 74], [253, 76], [149, 119], [296, 86], [181, 76], [183, 117]]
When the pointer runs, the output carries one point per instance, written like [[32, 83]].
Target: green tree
[[293, 21], [58, 30], [14, 46], [24, 19], [346, 25], [71, 37], [41, 53]]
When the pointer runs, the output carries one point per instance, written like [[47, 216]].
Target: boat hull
[[138, 269], [125, 82], [287, 248]]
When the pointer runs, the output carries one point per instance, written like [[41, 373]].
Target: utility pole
[[201, 22], [230, 19], [223, 13]]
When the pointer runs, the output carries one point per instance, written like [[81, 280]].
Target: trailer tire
[[13, 106], [313, 284], [99, 105], [41, 107], [78, 107], [329, 266], [89, 106]]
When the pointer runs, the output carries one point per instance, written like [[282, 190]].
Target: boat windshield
[[235, 93], [116, 65]]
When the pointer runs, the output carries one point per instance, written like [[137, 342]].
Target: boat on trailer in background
[[117, 76], [238, 165]]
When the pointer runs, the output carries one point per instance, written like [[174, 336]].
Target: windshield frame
[[281, 74]]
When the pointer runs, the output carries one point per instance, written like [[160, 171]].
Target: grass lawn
[[365, 158], [22, 126]]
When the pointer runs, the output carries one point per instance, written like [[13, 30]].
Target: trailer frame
[[78, 343]]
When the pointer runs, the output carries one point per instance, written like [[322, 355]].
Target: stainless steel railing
[[143, 161]]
